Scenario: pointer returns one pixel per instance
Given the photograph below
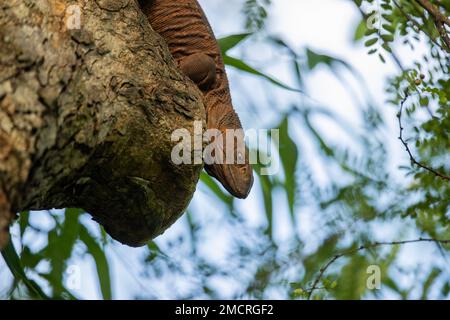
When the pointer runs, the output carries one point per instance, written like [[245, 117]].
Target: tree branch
[[437, 15], [418, 26], [405, 144], [440, 20], [365, 247], [87, 114]]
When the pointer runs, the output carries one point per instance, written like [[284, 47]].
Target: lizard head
[[232, 168], [237, 179]]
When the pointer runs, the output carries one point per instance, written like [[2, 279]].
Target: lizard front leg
[[200, 68], [236, 177]]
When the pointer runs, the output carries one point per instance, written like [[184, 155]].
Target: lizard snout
[[237, 179]]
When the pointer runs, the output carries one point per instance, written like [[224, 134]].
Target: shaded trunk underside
[[86, 117]]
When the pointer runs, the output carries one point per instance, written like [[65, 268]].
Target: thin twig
[[405, 144], [432, 10], [417, 25], [365, 247], [440, 20]]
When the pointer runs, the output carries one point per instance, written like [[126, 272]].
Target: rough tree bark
[[86, 117]]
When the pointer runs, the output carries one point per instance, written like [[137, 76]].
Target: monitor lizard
[[191, 41]]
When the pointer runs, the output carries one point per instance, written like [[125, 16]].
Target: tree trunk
[[86, 116]]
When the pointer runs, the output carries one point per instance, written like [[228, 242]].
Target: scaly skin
[[185, 28]]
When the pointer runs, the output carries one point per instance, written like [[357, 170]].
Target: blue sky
[[326, 26]]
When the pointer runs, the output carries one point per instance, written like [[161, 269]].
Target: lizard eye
[[243, 170]]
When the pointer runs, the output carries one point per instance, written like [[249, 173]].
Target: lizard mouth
[[236, 179], [239, 180]]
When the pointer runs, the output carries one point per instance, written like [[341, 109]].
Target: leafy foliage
[[256, 13], [334, 195]]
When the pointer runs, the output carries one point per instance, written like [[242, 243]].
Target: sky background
[[325, 26]]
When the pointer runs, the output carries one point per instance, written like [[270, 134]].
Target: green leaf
[[371, 42], [61, 241], [267, 190], [387, 37], [227, 43], [328, 151], [15, 266], [241, 65], [101, 262], [320, 257], [370, 31], [289, 156], [353, 279], [429, 281], [360, 31], [215, 188], [23, 221], [315, 59], [155, 251], [388, 27]]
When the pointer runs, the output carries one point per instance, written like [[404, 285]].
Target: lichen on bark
[[86, 117]]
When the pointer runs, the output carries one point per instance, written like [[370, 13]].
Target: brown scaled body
[[185, 28]]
